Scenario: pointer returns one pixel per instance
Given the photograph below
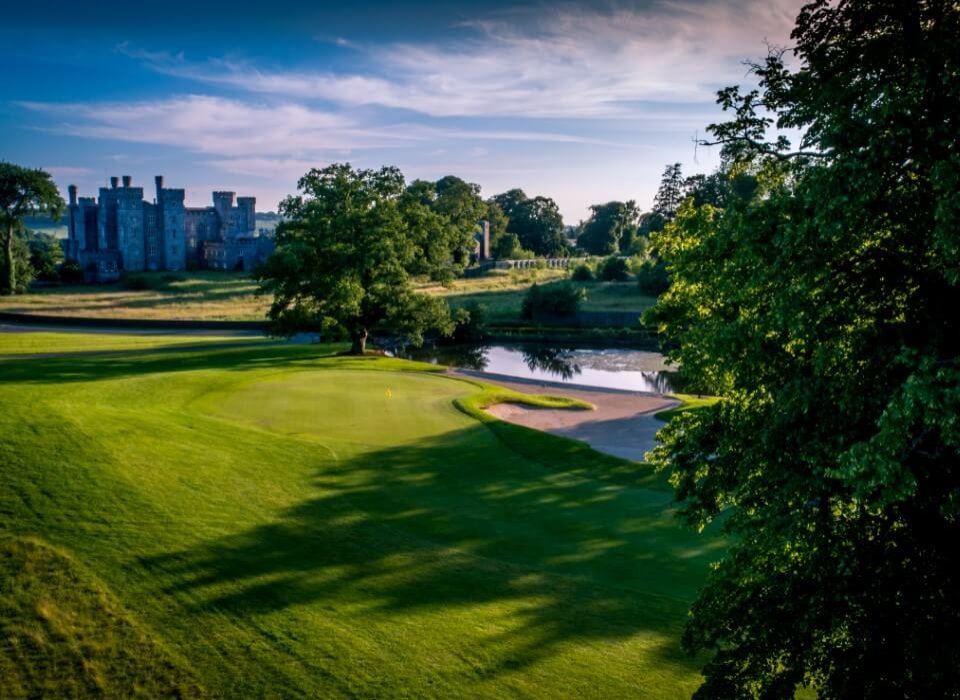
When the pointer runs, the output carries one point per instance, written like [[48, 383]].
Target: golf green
[[283, 522]]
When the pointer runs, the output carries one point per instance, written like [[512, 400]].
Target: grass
[[688, 402], [37, 342], [232, 296], [282, 522]]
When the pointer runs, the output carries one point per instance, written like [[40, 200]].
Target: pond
[[612, 368]]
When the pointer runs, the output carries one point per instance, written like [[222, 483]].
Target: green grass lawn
[[37, 342], [216, 296], [281, 522]]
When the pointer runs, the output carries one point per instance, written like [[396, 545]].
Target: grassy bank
[[232, 296], [279, 521]]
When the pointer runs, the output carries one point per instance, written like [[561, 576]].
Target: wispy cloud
[[263, 138], [67, 170], [572, 62]]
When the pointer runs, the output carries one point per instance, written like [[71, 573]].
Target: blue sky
[[581, 102]]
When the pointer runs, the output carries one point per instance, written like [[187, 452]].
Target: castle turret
[[72, 189], [127, 181], [114, 182]]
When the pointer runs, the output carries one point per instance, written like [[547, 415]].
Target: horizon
[[585, 104]]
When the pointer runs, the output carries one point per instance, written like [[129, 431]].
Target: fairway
[[282, 522]]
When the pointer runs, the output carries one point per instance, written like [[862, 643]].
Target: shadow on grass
[[457, 524], [93, 366]]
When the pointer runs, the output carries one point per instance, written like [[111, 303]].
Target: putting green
[[281, 523]]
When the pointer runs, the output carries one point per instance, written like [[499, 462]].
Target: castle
[[120, 232]]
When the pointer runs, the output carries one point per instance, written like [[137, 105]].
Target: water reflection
[[615, 368], [558, 362]]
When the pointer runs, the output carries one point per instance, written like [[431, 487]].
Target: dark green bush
[[70, 272], [614, 269], [652, 277], [558, 299], [582, 273]]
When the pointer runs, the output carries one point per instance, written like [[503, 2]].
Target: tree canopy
[[447, 213], [610, 229], [23, 191], [536, 221], [822, 308], [346, 249]]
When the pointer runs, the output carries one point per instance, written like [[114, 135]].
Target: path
[[623, 423]]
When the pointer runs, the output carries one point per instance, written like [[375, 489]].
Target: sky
[[582, 102]]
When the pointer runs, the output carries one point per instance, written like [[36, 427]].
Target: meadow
[[279, 521], [218, 296]]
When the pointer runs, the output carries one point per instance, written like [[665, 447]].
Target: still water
[[613, 368]]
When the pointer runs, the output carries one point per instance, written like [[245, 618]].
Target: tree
[[507, 247], [671, 193], [22, 192], [446, 214], [611, 228], [537, 222], [46, 255], [823, 309], [24, 273], [345, 251]]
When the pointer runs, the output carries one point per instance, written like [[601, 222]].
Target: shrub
[[135, 282], [652, 277], [614, 269], [559, 299], [70, 272], [582, 273], [471, 322]]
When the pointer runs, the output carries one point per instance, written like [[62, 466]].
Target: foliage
[[536, 221], [24, 273], [652, 277], [45, 254], [613, 269], [470, 322], [70, 272], [671, 192], [610, 229], [582, 273], [824, 310], [442, 217], [23, 192], [557, 299], [345, 252], [507, 247]]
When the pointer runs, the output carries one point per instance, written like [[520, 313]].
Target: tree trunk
[[359, 342], [10, 279]]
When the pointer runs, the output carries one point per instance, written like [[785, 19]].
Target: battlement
[[120, 226]]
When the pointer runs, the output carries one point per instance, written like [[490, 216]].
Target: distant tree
[[498, 220], [537, 221], [507, 247], [671, 192], [46, 255], [611, 228], [509, 201], [23, 270], [23, 192], [448, 212], [345, 251], [823, 309]]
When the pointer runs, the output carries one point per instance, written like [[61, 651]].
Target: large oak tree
[[346, 249]]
